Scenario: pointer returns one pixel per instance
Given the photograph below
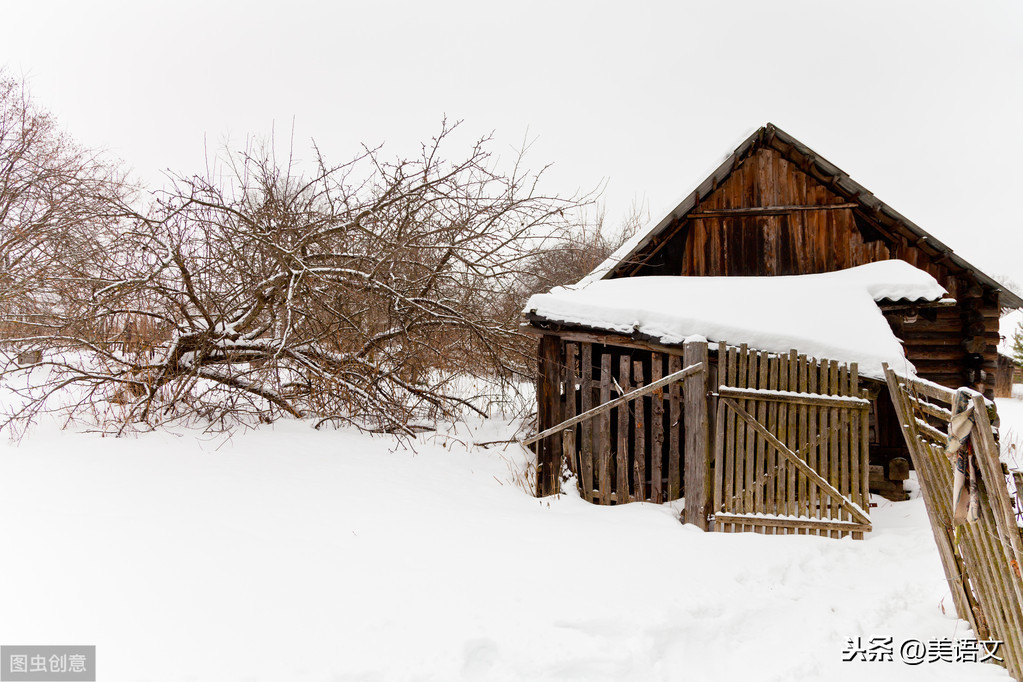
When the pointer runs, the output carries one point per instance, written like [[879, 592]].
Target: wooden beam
[[848, 402], [765, 210], [782, 522], [600, 409], [607, 339]]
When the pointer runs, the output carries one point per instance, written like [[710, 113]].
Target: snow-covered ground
[[286, 553]]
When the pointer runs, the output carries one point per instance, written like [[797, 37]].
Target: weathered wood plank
[[750, 472], [639, 435], [729, 474], [751, 519], [930, 390], [764, 210], [791, 435], [844, 479], [570, 409], [719, 430], [859, 457], [762, 450], [834, 455], [934, 410], [770, 457], [739, 497], [657, 430], [622, 452], [569, 334], [675, 421], [548, 454], [697, 453], [586, 467], [797, 397], [812, 432], [603, 425], [824, 426]]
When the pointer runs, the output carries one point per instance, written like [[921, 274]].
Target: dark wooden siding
[[957, 347]]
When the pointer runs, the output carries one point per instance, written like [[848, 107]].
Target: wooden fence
[[981, 559], [631, 423], [791, 446]]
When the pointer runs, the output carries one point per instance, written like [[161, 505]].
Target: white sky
[[918, 101]]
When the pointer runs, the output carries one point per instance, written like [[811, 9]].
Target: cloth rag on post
[[959, 449]]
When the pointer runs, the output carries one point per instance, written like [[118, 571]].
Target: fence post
[[697, 482]]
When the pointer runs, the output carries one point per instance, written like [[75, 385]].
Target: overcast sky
[[920, 101]]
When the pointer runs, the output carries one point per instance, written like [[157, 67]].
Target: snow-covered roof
[[772, 136], [830, 315]]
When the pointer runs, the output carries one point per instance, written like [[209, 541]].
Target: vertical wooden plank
[[697, 454], [802, 440], [762, 446], [731, 489], [833, 476], [771, 457], [857, 454], [656, 431], [570, 409], [792, 436], [824, 426], [781, 470], [749, 464], [865, 459], [586, 427], [603, 445], [548, 450], [675, 425], [825, 449], [719, 436], [622, 453], [638, 434], [739, 498], [812, 434], [844, 451]]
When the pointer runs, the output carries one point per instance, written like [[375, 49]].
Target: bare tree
[[355, 293], [55, 200]]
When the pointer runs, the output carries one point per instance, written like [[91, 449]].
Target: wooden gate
[[791, 446], [981, 559]]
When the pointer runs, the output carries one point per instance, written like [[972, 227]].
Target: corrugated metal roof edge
[[856, 192]]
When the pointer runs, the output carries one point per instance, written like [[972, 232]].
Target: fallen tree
[[355, 293]]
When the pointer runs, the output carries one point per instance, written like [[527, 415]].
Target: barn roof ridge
[[770, 135]]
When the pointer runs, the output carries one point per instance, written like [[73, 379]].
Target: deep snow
[[286, 553]]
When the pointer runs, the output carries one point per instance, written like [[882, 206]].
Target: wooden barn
[[1008, 374], [759, 438]]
